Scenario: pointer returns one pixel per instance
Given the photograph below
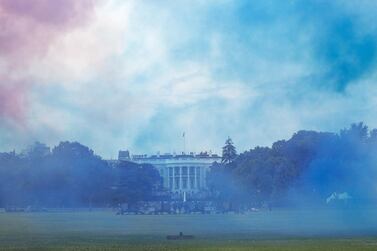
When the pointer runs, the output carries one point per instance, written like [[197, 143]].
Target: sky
[[136, 74]]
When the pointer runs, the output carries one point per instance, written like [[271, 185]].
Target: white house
[[182, 173]]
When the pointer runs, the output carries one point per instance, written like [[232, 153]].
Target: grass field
[[276, 230]]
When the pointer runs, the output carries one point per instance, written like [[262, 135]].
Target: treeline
[[308, 168], [71, 175], [305, 169]]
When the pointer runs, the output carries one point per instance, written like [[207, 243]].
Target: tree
[[36, 151], [357, 132], [135, 182], [229, 152], [77, 176]]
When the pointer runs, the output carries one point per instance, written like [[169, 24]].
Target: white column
[[200, 177], [167, 176], [173, 175], [195, 178], [204, 177], [180, 178]]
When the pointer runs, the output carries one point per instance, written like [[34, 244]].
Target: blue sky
[[136, 74]]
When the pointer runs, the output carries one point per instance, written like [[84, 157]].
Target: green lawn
[[335, 245], [277, 230]]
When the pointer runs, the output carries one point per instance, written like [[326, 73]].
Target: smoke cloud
[[27, 30], [134, 75]]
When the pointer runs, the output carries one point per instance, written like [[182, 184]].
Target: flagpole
[[184, 142]]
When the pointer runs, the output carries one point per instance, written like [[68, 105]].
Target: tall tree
[[79, 177], [134, 182], [229, 152]]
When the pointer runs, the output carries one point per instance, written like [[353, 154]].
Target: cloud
[[135, 74], [344, 47], [28, 28], [12, 101]]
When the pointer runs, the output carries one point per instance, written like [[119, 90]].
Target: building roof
[[202, 155]]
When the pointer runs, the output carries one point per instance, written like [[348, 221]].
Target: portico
[[181, 173]]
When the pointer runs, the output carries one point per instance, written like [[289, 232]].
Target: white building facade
[[185, 173]]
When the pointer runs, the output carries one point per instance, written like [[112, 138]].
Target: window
[[176, 171], [192, 182], [170, 183], [192, 171], [177, 183], [184, 171], [184, 182]]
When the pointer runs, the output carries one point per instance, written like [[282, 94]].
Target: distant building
[[181, 173], [124, 155]]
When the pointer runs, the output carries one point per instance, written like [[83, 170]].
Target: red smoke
[[27, 28], [12, 102]]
